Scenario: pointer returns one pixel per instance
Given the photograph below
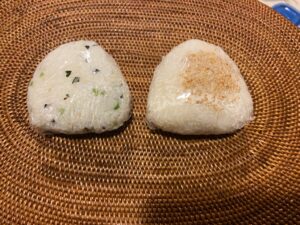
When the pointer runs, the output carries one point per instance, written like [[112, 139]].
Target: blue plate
[[289, 12]]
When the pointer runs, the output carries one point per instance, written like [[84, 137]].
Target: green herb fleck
[[61, 111], [75, 80], [31, 83], [115, 123], [97, 92], [117, 106], [68, 73], [42, 74]]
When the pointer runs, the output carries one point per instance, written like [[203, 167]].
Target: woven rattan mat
[[133, 176]]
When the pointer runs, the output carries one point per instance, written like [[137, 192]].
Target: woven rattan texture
[[133, 176]]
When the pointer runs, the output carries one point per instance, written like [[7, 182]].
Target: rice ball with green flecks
[[78, 88]]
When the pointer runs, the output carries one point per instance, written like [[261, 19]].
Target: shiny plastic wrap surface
[[198, 89], [78, 88]]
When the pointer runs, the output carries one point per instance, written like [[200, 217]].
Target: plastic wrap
[[78, 88], [198, 89]]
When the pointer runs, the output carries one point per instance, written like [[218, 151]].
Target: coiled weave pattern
[[134, 176]]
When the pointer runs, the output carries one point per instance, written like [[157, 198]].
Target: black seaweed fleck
[[87, 46], [67, 96], [53, 121], [103, 128], [46, 105], [96, 71], [121, 96], [68, 73], [75, 80]]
